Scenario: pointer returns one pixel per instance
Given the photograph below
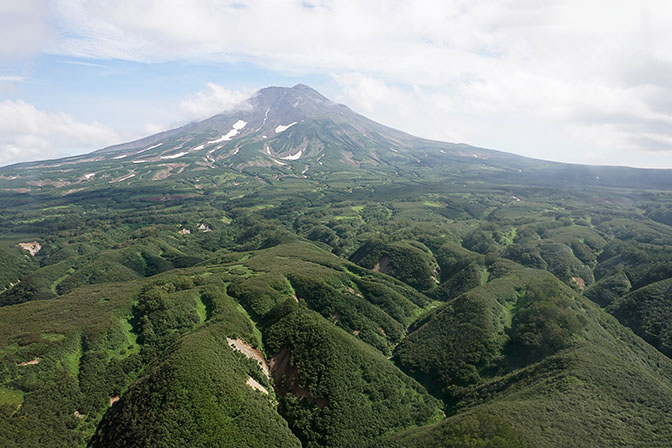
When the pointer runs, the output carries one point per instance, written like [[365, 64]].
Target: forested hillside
[[389, 295]]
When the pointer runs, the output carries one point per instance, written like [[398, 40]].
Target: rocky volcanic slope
[[297, 132]]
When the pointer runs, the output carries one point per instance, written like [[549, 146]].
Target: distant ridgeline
[[293, 274]]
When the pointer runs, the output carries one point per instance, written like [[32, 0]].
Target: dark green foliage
[[399, 301], [195, 396], [454, 345], [563, 264], [85, 356], [482, 242], [45, 414], [323, 234], [527, 256], [355, 313], [609, 288], [257, 293], [221, 307], [643, 264], [162, 315], [477, 430], [338, 391], [648, 311], [489, 329], [16, 264], [453, 258], [462, 281], [402, 260], [543, 325]]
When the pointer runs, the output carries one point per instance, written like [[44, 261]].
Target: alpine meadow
[[290, 273]]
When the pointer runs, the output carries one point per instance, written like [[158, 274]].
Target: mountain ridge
[[280, 132]]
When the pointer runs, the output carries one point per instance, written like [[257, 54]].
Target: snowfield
[[296, 156], [175, 156], [280, 128], [237, 126]]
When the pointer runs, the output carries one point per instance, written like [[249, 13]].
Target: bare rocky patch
[[251, 352], [33, 247], [284, 374], [353, 292], [168, 170], [254, 384], [383, 265], [348, 158], [32, 362], [53, 183]]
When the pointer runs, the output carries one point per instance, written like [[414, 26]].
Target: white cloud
[[593, 77], [212, 100], [27, 133], [24, 29], [11, 78], [154, 128]]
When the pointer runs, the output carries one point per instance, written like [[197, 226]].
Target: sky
[[580, 81]]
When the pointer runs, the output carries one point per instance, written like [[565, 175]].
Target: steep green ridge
[[326, 375], [466, 431], [195, 396], [648, 311]]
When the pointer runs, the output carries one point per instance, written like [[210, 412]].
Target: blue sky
[[119, 93], [573, 81]]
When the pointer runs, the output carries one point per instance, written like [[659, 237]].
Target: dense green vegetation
[[330, 375], [382, 291], [478, 430], [195, 396]]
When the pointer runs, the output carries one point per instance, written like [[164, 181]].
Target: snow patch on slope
[[237, 126], [296, 156], [264, 122], [280, 128], [121, 179], [175, 156]]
